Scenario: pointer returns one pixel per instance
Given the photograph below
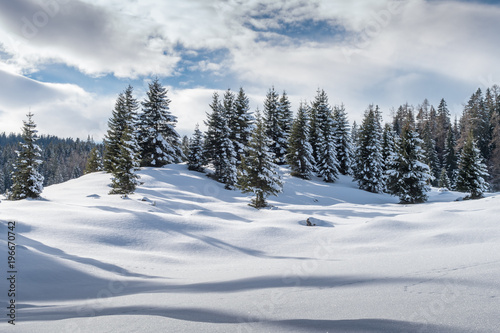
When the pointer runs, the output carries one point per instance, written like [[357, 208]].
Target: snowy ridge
[[183, 254]]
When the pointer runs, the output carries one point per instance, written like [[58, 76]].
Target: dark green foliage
[[218, 147], [276, 126], [195, 156], [368, 171], [158, 139], [407, 174], [343, 143], [27, 181], [258, 174], [450, 163], [94, 162], [299, 155], [472, 172]]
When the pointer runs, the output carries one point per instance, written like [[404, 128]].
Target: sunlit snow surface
[[184, 255]]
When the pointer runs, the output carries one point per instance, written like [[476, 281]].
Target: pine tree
[[244, 125], [195, 157], [123, 162], [258, 173], [27, 182], [158, 139], [275, 126], [125, 179], [299, 155], [342, 140], [368, 171], [94, 162], [444, 181], [472, 172], [407, 174], [430, 153], [286, 116], [185, 148], [327, 164], [450, 162], [116, 127], [494, 162], [442, 127], [219, 149]]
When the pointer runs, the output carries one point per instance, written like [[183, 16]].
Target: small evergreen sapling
[[27, 182], [94, 162]]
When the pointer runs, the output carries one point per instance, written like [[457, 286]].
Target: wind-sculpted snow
[[183, 254]]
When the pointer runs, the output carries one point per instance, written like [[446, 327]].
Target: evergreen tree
[[442, 127], [494, 162], [444, 181], [244, 124], [389, 142], [476, 118], [299, 155], [327, 164], [185, 148], [116, 126], [158, 139], [195, 157], [472, 172], [342, 140], [125, 179], [219, 149], [430, 153], [275, 130], [450, 158], [407, 174], [286, 115], [27, 182], [368, 169], [94, 162], [258, 173]]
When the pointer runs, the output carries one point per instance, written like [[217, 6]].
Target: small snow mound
[[314, 222]]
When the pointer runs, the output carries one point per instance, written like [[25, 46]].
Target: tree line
[[418, 148]]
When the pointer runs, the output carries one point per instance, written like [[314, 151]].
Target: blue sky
[[67, 60]]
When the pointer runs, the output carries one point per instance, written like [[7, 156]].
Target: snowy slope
[[185, 255]]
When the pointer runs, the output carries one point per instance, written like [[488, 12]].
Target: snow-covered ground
[[185, 255]]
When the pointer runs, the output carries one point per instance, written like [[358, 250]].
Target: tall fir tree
[[300, 155], [125, 179], [158, 139], [450, 159], [368, 171], [442, 127], [407, 174], [258, 173], [244, 124], [27, 182], [327, 164], [286, 115], [472, 172], [195, 156], [116, 126], [273, 117], [343, 142], [218, 147], [494, 163]]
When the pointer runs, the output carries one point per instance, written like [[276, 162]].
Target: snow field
[[195, 257]]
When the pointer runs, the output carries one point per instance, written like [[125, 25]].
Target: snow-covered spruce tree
[[94, 162], [27, 182], [343, 140], [218, 147], [389, 143], [450, 159], [286, 115], [494, 162], [327, 165], [444, 181], [195, 156], [116, 126], [472, 172], [158, 139], [244, 124], [299, 155], [258, 173], [273, 118], [369, 165], [407, 174], [125, 179]]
